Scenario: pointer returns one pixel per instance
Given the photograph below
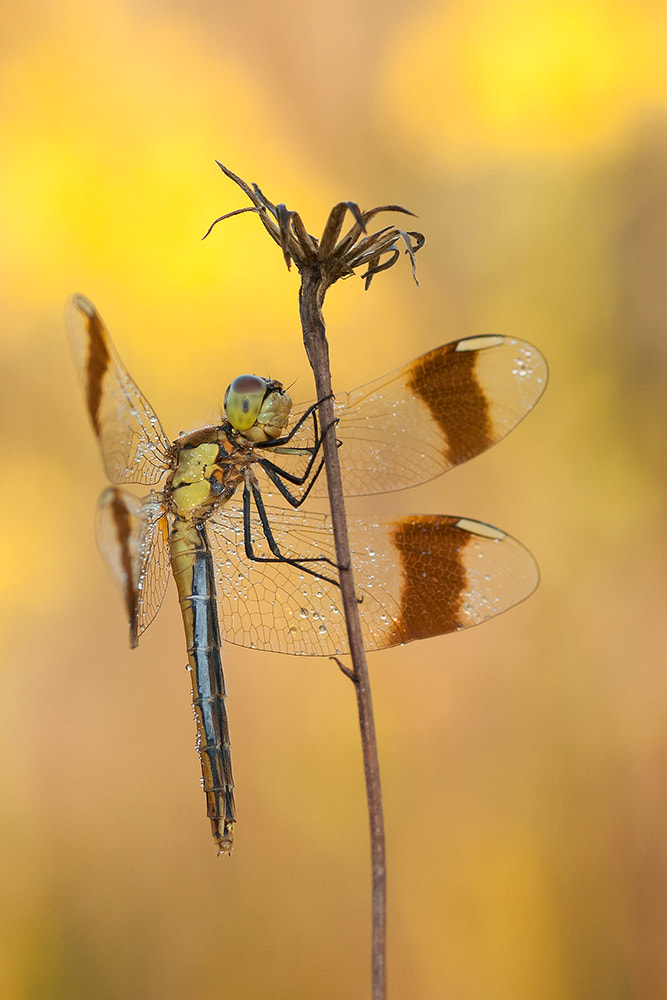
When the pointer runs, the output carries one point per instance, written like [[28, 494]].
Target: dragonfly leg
[[278, 556], [277, 474], [310, 412]]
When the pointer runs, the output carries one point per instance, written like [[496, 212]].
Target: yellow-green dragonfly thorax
[[208, 469]]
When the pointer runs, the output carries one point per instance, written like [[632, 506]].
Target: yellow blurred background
[[525, 762]]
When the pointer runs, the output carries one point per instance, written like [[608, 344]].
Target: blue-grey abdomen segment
[[192, 566]]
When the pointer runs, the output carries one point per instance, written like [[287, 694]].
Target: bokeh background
[[525, 762]]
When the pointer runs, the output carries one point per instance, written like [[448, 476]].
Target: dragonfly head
[[257, 407]]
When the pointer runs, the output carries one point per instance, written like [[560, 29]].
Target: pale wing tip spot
[[82, 303], [481, 529], [479, 343]]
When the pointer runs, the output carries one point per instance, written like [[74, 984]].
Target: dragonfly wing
[[416, 577], [133, 537], [133, 444], [442, 409]]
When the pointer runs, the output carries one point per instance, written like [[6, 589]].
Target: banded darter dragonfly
[[271, 572]]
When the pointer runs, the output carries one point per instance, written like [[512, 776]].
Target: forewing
[[133, 444], [440, 410], [416, 577], [133, 537]]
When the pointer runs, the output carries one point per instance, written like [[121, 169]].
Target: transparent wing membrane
[[133, 444], [416, 576], [442, 409], [133, 537]]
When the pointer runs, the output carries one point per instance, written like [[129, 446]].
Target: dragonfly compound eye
[[243, 400]]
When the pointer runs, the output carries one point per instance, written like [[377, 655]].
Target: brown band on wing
[[122, 527], [434, 577], [446, 380], [96, 369]]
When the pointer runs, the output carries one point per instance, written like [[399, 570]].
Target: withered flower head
[[333, 255]]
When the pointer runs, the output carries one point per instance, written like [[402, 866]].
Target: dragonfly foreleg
[[310, 412], [277, 474]]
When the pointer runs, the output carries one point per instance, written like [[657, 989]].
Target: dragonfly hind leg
[[278, 556]]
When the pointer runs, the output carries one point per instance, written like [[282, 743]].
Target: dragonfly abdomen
[[192, 567]]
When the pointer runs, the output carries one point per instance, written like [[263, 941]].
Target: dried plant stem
[[320, 263], [314, 284]]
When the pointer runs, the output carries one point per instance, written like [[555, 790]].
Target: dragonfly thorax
[[203, 476]]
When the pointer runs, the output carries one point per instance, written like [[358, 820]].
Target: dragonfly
[[265, 576]]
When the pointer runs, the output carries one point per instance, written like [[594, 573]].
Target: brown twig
[[311, 296], [320, 264]]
